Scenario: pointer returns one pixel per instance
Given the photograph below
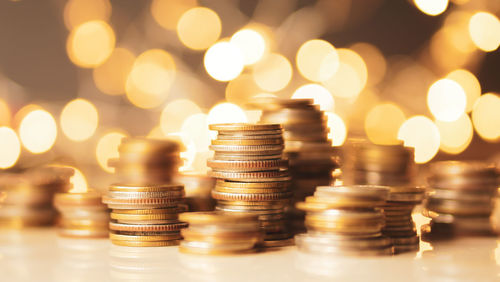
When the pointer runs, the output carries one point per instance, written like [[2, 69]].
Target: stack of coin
[[26, 197], [198, 191], [145, 215], [311, 155], [399, 225], [83, 215], [461, 197], [146, 160], [345, 220], [252, 177], [368, 163], [220, 233]]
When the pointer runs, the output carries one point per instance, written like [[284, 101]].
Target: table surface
[[40, 255]]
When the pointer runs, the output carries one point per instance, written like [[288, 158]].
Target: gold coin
[[264, 176], [247, 165], [90, 198], [215, 217], [243, 127], [148, 211], [146, 188], [144, 238], [147, 227], [202, 251], [142, 217], [245, 185], [258, 142], [146, 243], [249, 137], [250, 190], [250, 197], [229, 157]]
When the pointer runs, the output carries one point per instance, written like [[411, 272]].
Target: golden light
[[484, 30], [318, 93], [338, 129], [351, 77], [317, 60], [446, 100], [422, 134], [174, 114], [431, 7], [107, 148], [38, 131], [456, 135], [10, 147], [198, 28], [90, 44], [150, 79], [375, 61], [486, 116], [168, 12], [5, 114], [111, 76], [469, 84], [23, 112], [156, 133], [78, 181], [273, 72], [195, 133], [77, 12], [223, 61], [382, 124], [241, 89], [251, 43], [226, 113], [79, 119]]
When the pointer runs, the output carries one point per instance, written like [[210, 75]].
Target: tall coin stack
[[461, 197], [220, 233], [145, 205], [311, 155], [252, 176], [26, 198], [391, 166], [345, 220]]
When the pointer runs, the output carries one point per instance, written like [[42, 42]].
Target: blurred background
[[76, 76]]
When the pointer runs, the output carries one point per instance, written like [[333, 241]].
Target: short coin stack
[[252, 177], [83, 215], [146, 204], [368, 163], [220, 233], [26, 198], [311, 155], [399, 225], [345, 220], [461, 197]]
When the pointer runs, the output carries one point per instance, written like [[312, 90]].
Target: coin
[[243, 127], [146, 188], [247, 166], [143, 238], [147, 227], [264, 176], [214, 217], [146, 243]]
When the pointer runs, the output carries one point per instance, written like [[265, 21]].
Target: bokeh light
[[10, 147], [484, 30], [382, 124], [251, 44], [431, 7], [273, 73], [111, 76], [150, 79], [446, 100], [241, 89], [318, 93], [23, 112], [469, 84], [79, 119], [90, 44], [456, 135], [317, 60], [198, 28], [223, 61], [422, 134], [337, 127], [351, 77], [374, 59], [174, 114], [77, 12], [168, 12], [38, 131], [226, 113], [78, 181], [195, 134], [5, 114], [107, 148], [486, 116]]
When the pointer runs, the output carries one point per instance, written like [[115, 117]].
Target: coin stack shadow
[[311, 155], [215, 232], [391, 166], [461, 198], [145, 204], [26, 197], [83, 215], [252, 176], [345, 220]]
